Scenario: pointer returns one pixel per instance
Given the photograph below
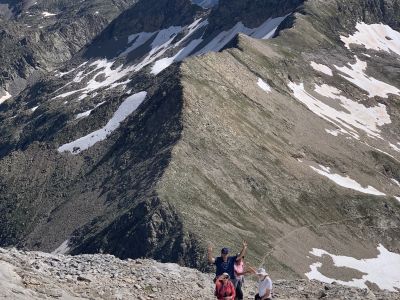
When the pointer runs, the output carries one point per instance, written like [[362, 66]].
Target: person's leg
[[239, 292]]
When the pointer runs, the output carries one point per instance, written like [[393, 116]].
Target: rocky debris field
[[37, 275]]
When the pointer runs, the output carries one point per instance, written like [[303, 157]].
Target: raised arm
[[243, 252], [251, 270], [211, 259]]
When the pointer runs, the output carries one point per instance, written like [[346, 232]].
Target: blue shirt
[[225, 266]]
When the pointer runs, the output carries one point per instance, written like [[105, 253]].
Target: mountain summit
[[153, 128]]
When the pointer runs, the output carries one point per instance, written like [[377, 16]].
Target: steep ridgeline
[[39, 36], [171, 130]]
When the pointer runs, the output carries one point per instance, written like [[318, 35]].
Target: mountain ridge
[[289, 143]]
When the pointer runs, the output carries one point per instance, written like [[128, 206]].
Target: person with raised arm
[[225, 263], [264, 284]]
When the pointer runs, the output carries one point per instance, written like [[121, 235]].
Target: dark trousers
[[257, 297], [239, 292]]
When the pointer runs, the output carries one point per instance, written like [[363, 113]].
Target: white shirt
[[264, 285]]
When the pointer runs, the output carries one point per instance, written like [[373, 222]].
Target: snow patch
[[396, 182], [5, 97], [47, 14], [124, 110], [162, 41], [335, 132], [263, 85], [264, 31], [62, 249], [353, 116], [394, 147], [61, 74], [383, 270], [87, 113], [355, 74], [102, 67], [196, 25], [164, 63], [379, 37], [138, 40], [346, 182], [322, 68]]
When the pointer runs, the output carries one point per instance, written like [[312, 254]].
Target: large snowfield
[[124, 110], [384, 270]]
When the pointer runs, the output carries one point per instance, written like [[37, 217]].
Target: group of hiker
[[229, 276]]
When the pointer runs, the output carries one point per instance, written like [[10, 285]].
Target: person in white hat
[[264, 284]]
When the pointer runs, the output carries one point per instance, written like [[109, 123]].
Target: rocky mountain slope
[[36, 275], [39, 36], [270, 121]]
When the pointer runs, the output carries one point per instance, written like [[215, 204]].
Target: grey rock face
[[42, 35]]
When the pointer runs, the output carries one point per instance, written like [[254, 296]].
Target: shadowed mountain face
[[180, 125], [39, 36]]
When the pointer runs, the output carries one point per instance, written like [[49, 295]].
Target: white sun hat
[[261, 271]]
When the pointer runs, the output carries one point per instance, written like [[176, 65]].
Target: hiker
[[224, 288], [264, 284], [239, 276], [225, 263]]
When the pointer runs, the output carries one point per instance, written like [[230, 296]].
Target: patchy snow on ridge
[[5, 97], [61, 74], [103, 67], [161, 42], [87, 113], [383, 270], [264, 31], [335, 132], [263, 85], [62, 249], [353, 116], [379, 37], [159, 46], [394, 147], [355, 74], [164, 63], [346, 182], [124, 110], [322, 68], [365, 118], [196, 25], [137, 40], [47, 14], [396, 182]]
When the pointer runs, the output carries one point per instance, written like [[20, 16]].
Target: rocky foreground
[[37, 275]]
